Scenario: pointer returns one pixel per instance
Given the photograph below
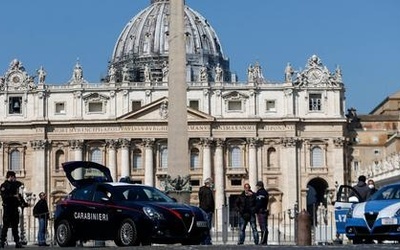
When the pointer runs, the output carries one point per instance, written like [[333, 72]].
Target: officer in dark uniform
[[11, 202], [262, 198]]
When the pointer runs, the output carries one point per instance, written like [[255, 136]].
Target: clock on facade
[[314, 76]]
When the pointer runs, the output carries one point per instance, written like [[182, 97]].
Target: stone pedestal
[[180, 196]]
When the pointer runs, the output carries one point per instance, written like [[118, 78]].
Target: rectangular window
[[194, 104], [136, 105], [235, 105], [270, 104], [355, 166], [315, 102], [195, 183], [236, 182], [15, 105], [60, 108], [95, 107]]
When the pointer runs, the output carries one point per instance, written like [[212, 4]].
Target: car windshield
[[387, 193], [140, 193]]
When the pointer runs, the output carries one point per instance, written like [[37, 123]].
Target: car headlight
[[152, 213], [397, 214]]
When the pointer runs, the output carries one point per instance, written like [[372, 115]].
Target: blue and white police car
[[378, 218], [128, 214]]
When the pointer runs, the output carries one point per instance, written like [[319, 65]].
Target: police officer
[[262, 211], [11, 202], [206, 202]]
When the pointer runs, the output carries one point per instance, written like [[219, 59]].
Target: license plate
[[389, 221], [202, 224]]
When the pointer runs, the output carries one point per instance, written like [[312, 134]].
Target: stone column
[[40, 182], [338, 154], [112, 161], [219, 181], [290, 167], [77, 146], [148, 167], [207, 172], [253, 162], [125, 146]]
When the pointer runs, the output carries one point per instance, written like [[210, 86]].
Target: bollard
[[303, 229]]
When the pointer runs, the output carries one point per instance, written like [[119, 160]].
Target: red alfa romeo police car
[[128, 214]]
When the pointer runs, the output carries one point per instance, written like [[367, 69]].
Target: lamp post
[[30, 200]]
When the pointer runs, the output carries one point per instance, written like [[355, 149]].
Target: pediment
[[235, 95], [95, 97], [157, 111]]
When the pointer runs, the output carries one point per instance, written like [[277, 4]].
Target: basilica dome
[[143, 45]]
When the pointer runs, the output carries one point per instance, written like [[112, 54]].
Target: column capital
[[289, 141], [148, 142], [220, 142], [206, 142], [125, 143], [76, 144], [38, 144], [339, 142], [253, 142], [112, 144]]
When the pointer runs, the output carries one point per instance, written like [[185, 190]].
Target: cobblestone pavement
[[227, 246]]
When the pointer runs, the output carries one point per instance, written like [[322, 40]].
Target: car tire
[[64, 234], [357, 240], [127, 234]]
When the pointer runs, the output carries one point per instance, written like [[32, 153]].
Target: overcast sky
[[362, 36]]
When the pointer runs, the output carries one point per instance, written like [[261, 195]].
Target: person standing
[[362, 188], [41, 211], [372, 188], [11, 202], [206, 200], [262, 197], [246, 207]]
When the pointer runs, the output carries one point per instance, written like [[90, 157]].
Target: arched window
[[96, 156], [194, 158], [60, 158], [15, 161], [236, 157], [164, 157], [317, 157], [137, 159], [271, 159]]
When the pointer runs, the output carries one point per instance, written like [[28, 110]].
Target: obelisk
[[178, 159]]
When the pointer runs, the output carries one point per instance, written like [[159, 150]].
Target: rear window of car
[[387, 193], [140, 193], [84, 193]]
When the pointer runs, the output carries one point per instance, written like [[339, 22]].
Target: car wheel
[[357, 240], [127, 234], [64, 234]]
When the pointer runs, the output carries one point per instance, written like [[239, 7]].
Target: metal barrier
[[282, 228]]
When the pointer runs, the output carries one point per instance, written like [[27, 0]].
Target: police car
[[378, 218], [128, 214]]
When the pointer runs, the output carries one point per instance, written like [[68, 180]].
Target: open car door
[[346, 196]]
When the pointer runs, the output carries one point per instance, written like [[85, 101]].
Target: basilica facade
[[289, 134]]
